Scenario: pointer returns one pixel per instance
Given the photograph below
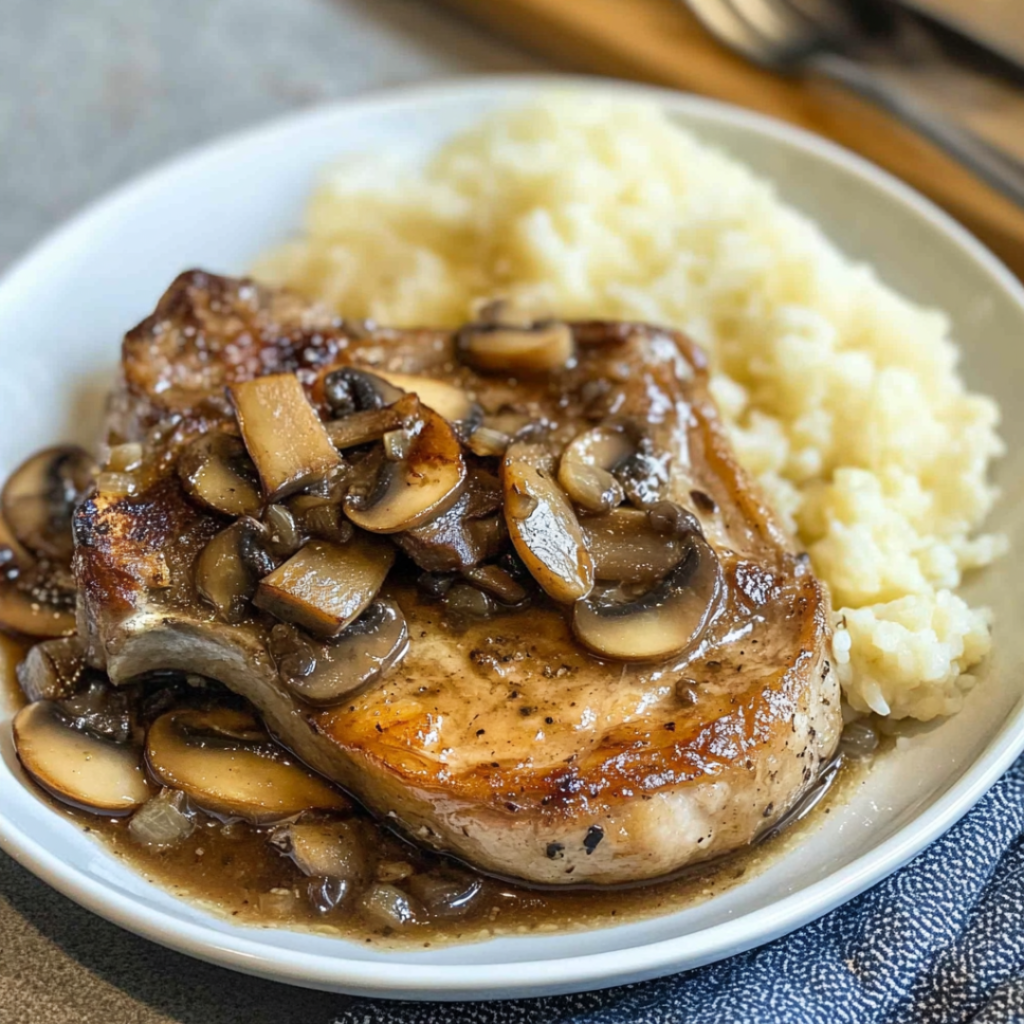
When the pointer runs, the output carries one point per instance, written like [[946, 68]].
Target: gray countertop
[[90, 94]]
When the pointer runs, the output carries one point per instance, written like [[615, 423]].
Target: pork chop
[[504, 741]]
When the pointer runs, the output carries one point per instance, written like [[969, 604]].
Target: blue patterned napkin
[[941, 941]]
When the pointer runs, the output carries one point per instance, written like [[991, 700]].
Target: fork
[[823, 37]]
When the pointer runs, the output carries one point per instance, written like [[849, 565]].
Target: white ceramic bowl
[[65, 306]]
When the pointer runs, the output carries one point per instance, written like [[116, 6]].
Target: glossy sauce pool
[[230, 869]]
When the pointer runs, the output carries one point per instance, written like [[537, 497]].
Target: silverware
[[883, 65], [995, 25]]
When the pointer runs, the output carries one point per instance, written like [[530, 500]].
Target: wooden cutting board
[[660, 41]]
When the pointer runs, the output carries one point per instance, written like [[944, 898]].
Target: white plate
[[64, 308]]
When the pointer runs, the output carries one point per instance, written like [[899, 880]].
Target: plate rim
[[522, 978]]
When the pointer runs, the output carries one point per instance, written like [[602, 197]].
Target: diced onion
[[162, 821]]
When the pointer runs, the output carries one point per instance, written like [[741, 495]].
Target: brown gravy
[[231, 869]]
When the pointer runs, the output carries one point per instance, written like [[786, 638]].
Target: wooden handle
[[660, 41]]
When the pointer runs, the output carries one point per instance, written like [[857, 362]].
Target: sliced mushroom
[[325, 587], [327, 849], [666, 620], [372, 424], [323, 672], [283, 434], [644, 475], [230, 567], [349, 390], [419, 488], [544, 529], [321, 517], [464, 603], [53, 669], [586, 468], [626, 547], [40, 496], [284, 536], [472, 531], [495, 581], [503, 348], [216, 470], [445, 399], [102, 710], [225, 762], [14, 556], [78, 767], [38, 601]]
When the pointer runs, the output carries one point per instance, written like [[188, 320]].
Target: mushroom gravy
[[231, 869]]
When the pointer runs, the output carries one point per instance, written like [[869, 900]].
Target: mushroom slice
[[41, 494], [323, 672], [327, 849], [38, 602], [284, 536], [626, 547], [13, 555], [644, 475], [227, 764], [504, 348], [230, 566], [665, 620], [472, 531], [416, 489], [497, 582], [325, 587], [321, 517], [372, 424], [544, 529], [216, 470], [283, 434], [349, 390], [445, 399], [586, 469], [52, 669], [78, 767]]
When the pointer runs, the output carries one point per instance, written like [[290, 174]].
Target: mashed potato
[[843, 397]]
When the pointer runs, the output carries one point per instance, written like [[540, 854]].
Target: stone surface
[[90, 94]]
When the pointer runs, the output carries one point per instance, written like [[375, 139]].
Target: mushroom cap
[[626, 548], [544, 529], [38, 602], [665, 620], [516, 349], [78, 767], [416, 489], [226, 763], [40, 495], [585, 469], [229, 568], [52, 669], [324, 672], [447, 400], [324, 587], [216, 470], [283, 434]]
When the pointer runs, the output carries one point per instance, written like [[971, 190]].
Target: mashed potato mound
[[842, 396]]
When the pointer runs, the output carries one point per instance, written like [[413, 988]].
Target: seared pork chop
[[506, 741]]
